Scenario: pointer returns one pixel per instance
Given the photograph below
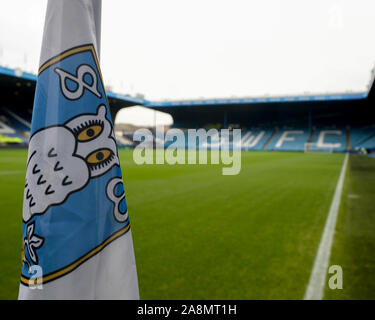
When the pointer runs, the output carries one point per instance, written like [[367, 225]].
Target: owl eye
[[89, 133], [99, 157]]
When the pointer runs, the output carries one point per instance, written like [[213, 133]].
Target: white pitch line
[[315, 288]]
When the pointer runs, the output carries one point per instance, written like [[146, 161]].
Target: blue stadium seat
[[333, 139], [20, 121], [289, 139], [12, 128], [362, 137], [255, 139]]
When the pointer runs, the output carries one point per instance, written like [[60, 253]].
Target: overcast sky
[[178, 49]]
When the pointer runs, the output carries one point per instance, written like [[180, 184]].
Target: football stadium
[[249, 236], [199, 234]]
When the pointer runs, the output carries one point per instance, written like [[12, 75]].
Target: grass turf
[[354, 243], [200, 235]]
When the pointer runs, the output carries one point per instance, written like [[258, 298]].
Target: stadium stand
[[334, 139], [362, 137], [289, 139], [255, 139], [21, 120], [14, 129], [338, 122]]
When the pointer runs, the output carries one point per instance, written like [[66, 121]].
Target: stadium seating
[[255, 139], [14, 129], [362, 137], [334, 139], [21, 121], [289, 139]]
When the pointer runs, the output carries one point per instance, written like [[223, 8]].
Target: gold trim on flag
[[78, 262]]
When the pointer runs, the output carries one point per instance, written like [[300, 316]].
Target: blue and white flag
[[77, 242]]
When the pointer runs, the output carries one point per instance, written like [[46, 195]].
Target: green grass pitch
[[201, 235]]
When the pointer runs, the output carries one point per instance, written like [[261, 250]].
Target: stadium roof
[[129, 100], [268, 99]]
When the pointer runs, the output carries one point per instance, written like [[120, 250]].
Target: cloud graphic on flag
[[63, 158], [53, 170]]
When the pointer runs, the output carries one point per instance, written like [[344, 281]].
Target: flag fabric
[[77, 242]]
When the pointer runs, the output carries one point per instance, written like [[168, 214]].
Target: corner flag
[[77, 242]]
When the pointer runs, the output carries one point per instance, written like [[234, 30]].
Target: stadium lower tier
[[15, 130], [317, 139], [14, 127]]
